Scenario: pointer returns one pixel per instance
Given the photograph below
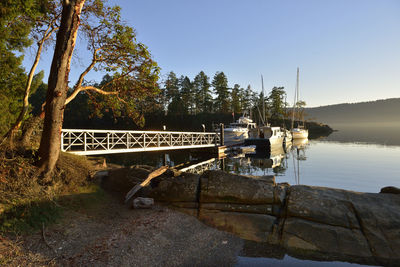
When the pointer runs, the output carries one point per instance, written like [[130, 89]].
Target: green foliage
[[246, 98], [203, 98], [132, 74], [276, 102], [220, 84], [187, 94], [11, 94], [236, 101], [17, 18], [177, 106]]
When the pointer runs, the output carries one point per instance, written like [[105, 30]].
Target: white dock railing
[[203, 166], [95, 142]]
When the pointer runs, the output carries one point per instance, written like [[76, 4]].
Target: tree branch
[[88, 88]]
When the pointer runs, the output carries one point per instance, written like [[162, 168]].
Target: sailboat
[[265, 136], [300, 132]]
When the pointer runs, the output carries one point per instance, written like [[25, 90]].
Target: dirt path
[[110, 234]]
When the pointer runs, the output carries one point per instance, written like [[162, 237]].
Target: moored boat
[[239, 130], [265, 137], [299, 133]]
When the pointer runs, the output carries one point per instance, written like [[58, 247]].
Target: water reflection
[[350, 166]]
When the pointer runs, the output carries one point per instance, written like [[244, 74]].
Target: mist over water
[[373, 133]]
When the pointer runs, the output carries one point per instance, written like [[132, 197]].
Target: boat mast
[[295, 98], [297, 88], [265, 119]]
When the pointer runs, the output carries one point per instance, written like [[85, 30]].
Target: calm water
[[352, 166]]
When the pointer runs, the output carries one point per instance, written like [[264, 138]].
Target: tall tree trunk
[[49, 150]]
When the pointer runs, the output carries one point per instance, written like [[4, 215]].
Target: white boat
[[239, 130], [299, 132], [265, 138], [275, 135]]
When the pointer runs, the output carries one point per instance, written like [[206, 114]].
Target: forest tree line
[[201, 100]]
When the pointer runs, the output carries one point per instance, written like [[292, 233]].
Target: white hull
[[276, 140], [234, 136], [299, 133], [300, 143], [239, 130]]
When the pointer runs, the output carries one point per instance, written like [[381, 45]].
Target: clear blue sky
[[347, 50]]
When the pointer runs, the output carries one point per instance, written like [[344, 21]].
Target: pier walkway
[[96, 142]]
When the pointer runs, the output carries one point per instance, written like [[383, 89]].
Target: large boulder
[[320, 204], [183, 188], [379, 219], [222, 187]]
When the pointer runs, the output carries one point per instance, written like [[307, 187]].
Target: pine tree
[[246, 98], [220, 84], [235, 95], [171, 86], [276, 102], [203, 98], [186, 92]]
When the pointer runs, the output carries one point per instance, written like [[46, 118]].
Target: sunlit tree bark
[[58, 85]]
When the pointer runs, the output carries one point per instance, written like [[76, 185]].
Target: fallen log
[[151, 176]]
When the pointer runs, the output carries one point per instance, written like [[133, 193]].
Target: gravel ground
[[110, 234]]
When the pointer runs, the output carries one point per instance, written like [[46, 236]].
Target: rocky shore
[[307, 222]]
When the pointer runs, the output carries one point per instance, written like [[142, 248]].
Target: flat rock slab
[[222, 187], [320, 204], [379, 218]]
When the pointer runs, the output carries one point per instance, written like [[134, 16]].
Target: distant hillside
[[386, 111]]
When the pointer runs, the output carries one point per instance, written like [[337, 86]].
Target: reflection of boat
[[238, 131], [300, 143], [288, 136], [268, 160], [300, 131], [265, 137]]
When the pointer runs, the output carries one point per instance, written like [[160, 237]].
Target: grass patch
[[29, 217], [26, 203]]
